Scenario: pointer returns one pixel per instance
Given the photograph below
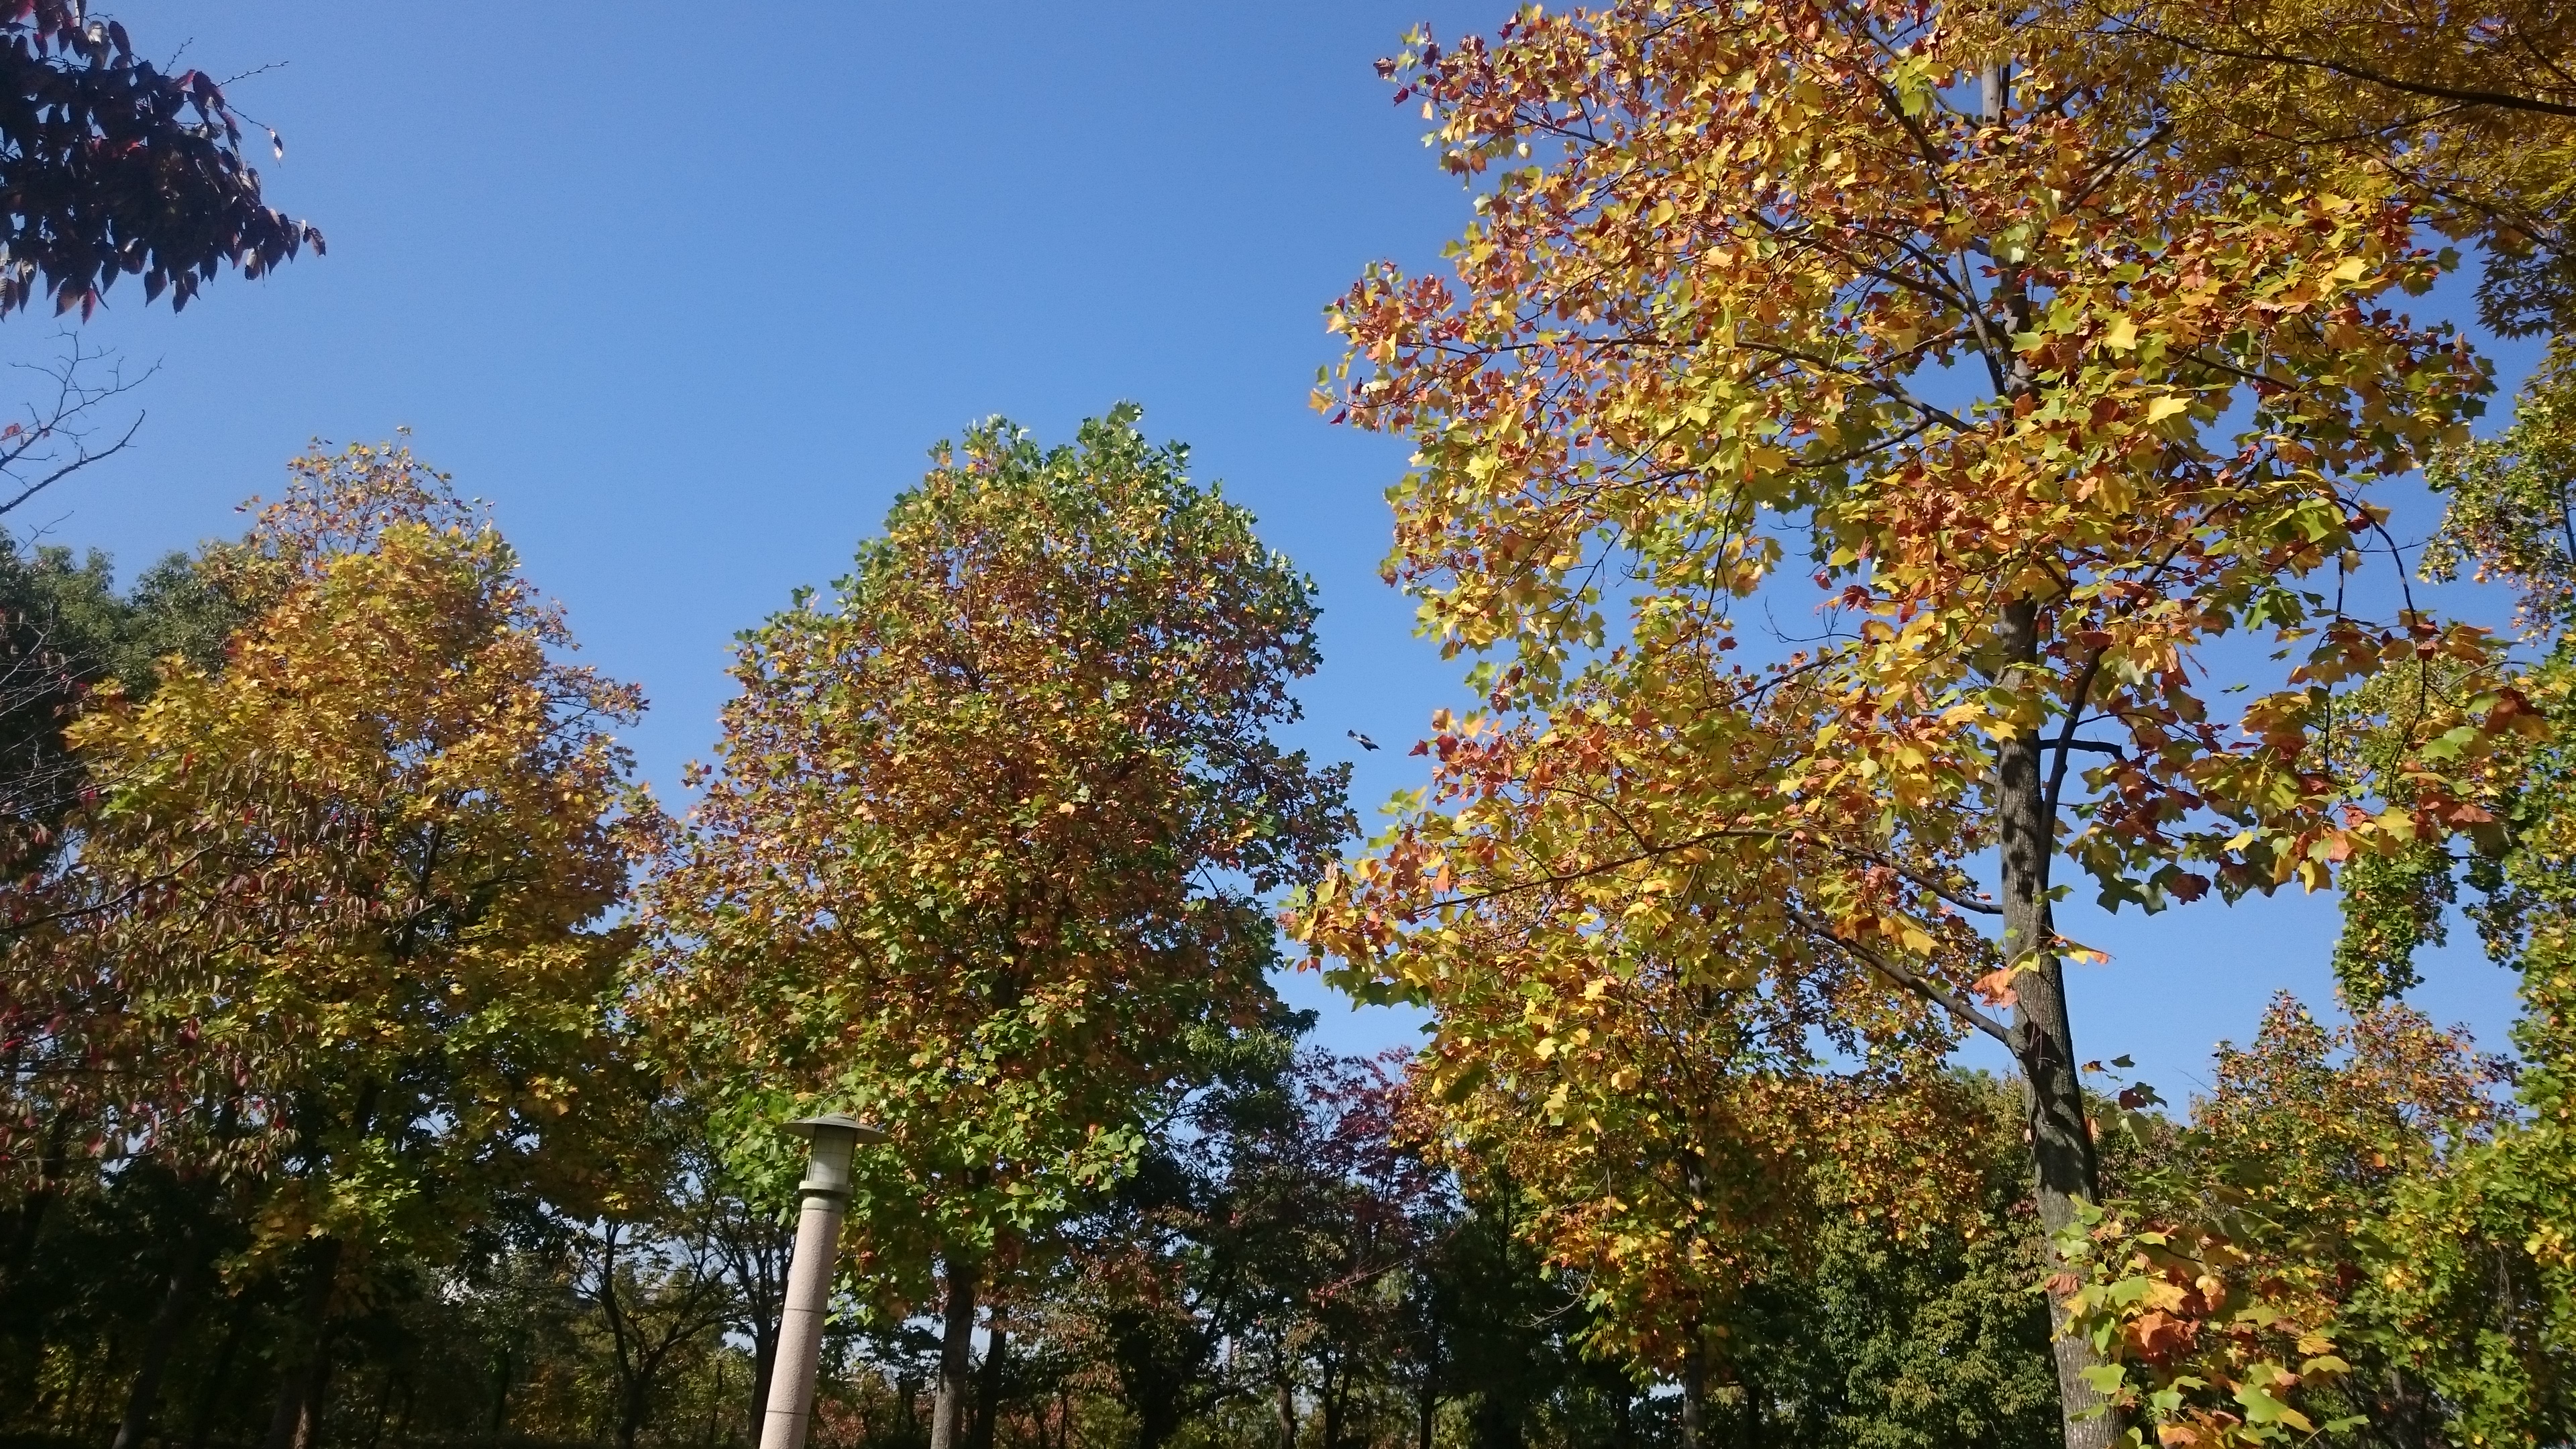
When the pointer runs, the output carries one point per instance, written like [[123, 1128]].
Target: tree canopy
[[989, 831], [2055, 408]]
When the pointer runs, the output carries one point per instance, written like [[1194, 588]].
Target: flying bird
[[1365, 742]]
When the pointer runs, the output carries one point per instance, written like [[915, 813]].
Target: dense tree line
[[337, 1124]]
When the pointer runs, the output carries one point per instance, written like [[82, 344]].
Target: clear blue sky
[[687, 298]]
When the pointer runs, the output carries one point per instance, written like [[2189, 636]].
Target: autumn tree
[[2059, 414], [2473, 1291], [988, 836], [2296, 1262], [335, 928]]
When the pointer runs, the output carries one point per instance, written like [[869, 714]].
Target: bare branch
[[54, 441]]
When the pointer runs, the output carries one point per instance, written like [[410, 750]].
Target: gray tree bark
[[2064, 1169], [956, 1357]]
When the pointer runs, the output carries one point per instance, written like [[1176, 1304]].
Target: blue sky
[[688, 298]]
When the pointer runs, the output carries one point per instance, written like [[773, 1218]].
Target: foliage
[[2060, 409], [2067, 345], [1662, 1075], [2471, 1287], [1251, 1254], [67, 631], [1875, 1339], [2239, 1298], [2509, 518], [989, 830], [2471, 108], [110, 166], [334, 931], [350, 885], [2193, 1340]]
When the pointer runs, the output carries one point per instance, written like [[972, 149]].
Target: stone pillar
[[826, 1190]]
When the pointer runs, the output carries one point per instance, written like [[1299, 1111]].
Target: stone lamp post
[[826, 1191]]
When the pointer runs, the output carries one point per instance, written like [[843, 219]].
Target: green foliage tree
[[1878, 1338], [988, 838], [2472, 1291]]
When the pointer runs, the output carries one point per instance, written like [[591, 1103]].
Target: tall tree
[[336, 920], [989, 834], [2057, 411]]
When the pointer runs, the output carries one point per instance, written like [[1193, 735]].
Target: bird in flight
[[1365, 742]]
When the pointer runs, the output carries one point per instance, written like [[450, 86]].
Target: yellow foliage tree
[[2059, 409], [338, 918]]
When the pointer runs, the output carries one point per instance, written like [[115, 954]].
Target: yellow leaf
[[2165, 407]]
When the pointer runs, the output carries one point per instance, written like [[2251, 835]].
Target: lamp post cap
[[859, 1131]]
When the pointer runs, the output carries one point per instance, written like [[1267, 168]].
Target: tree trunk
[[764, 1359], [410, 1395], [1426, 1409], [384, 1408], [988, 1386], [298, 1420], [202, 1421], [2064, 1170], [169, 1321], [1287, 1412], [634, 1404], [1695, 1397], [504, 1364], [756, 1251], [956, 1354], [713, 1400], [634, 1374]]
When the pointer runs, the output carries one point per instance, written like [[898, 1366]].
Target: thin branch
[[1915, 982], [2501, 100], [37, 445], [1983, 908]]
